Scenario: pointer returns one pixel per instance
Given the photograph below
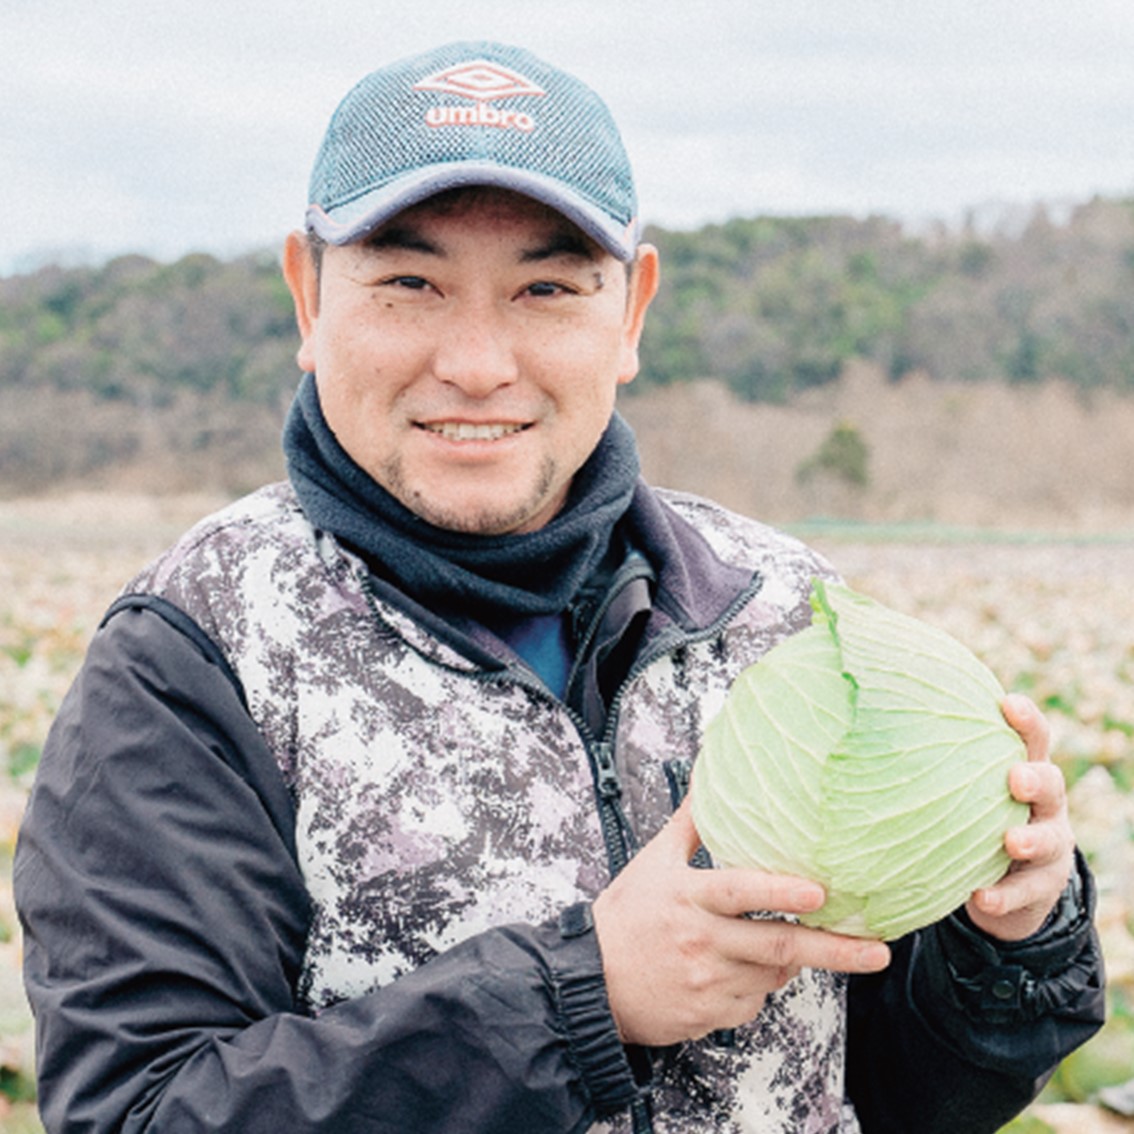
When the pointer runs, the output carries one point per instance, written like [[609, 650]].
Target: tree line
[[769, 305], [773, 306]]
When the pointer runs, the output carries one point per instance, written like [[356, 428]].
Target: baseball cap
[[472, 113]]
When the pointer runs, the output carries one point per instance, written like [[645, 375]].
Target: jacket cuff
[[1003, 982], [579, 988]]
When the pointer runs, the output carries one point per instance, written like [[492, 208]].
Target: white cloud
[[130, 125]]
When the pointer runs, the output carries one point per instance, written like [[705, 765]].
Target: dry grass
[[982, 454]]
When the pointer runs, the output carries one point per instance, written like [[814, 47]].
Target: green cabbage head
[[867, 753]]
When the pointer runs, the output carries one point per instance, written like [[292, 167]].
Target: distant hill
[[165, 376], [773, 306]]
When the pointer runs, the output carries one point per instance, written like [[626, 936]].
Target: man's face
[[468, 352]]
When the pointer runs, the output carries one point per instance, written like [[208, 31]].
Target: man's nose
[[475, 352]]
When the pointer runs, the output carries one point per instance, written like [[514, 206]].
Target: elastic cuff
[[1010, 980], [1048, 951], [579, 987]]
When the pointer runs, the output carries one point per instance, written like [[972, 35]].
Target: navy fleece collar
[[478, 576]]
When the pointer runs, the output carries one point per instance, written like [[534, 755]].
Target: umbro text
[[479, 115]]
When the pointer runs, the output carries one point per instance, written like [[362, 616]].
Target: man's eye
[[545, 288], [413, 283]]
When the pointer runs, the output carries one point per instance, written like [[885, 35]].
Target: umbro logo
[[482, 82]]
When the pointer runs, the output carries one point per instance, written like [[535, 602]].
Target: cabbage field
[[1052, 619]]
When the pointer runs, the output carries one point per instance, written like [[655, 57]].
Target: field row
[[1055, 621]]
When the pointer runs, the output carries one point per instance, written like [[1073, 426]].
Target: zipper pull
[[609, 785], [677, 775], [621, 842]]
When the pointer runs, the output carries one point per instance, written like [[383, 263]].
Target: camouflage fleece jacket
[[298, 861]]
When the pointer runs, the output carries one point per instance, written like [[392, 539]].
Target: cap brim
[[355, 219]]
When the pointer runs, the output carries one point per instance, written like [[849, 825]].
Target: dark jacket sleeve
[[961, 1032], [165, 917]]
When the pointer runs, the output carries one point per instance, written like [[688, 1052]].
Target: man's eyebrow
[[401, 237], [561, 244]]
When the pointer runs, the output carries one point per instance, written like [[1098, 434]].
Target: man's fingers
[[730, 894], [1041, 842], [734, 892], [1041, 785], [1018, 890], [1024, 716], [680, 957], [787, 947]]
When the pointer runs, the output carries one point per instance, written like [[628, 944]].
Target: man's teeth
[[467, 431]]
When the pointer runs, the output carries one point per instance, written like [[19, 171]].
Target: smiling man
[[468, 353], [365, 813]]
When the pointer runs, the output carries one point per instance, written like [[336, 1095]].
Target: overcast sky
[[167, 126]]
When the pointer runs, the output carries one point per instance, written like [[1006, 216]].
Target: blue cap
[[472, 114]]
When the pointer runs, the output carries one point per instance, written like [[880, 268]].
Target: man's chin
[[486, 514], [480, 521], [460, 500]]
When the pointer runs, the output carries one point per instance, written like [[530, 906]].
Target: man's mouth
[[470, 431]]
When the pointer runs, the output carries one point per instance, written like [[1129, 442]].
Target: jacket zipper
[[618, 835]]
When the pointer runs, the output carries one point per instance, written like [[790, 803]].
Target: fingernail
[[1019, 705], [808, 897], [874, 955], [988, 900]]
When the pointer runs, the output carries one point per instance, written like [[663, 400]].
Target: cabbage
[[867, 753]]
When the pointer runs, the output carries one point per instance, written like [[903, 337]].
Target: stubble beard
[[486, 520]]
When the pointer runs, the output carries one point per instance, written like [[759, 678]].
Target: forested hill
[[769, 306], [772, 306]]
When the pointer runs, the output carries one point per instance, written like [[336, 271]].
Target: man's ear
[[641, 289], [302, 277]]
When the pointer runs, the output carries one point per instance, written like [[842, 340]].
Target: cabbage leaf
[[869, 754]]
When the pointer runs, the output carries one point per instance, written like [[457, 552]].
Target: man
[[361, 814]]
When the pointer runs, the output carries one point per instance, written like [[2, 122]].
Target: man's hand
[[1042, 851], [680, 958]]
